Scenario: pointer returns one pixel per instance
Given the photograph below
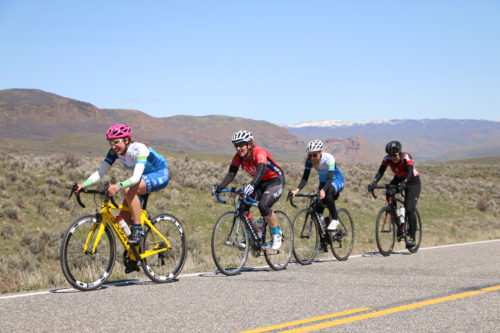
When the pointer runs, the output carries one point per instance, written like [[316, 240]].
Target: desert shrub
[[483, 204], [7, 232], [9, 210], [70, 160], [13, 176]]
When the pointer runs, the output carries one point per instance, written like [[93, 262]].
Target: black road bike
[[311, 235], [389, 226], [235, 235]]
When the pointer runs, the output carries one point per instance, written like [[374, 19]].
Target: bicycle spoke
[[85, 270], [229, 244], [306, 238]]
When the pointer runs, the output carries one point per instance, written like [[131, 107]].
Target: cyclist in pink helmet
[[118, 131], [150, 174]]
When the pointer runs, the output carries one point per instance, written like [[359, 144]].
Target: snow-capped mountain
[[426, 138]]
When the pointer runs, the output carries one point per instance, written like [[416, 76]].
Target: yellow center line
[[392, 310], [306, 321]]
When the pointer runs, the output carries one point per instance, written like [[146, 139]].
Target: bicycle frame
[[314, 203], [105, 217], [239, 206]]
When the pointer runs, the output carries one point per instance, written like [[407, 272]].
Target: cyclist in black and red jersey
[[406, 178], [268, 178]]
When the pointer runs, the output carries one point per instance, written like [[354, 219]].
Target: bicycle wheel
[[385, 231], [83, 269], [230, 244], [278, 259], [343, 237], [418, 233], [164, 266], [305, 237]]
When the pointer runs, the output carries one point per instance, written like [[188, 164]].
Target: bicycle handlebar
[[304, 195], [103, 192], [246, 198], [387, 187]]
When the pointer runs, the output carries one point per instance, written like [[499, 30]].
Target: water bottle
[[322, 221], [123, 225], [260, 227], [401, 214]]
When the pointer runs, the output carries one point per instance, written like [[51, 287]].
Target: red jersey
[[399, 168], [260, 155]]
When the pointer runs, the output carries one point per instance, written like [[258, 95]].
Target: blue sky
[[281, 61]]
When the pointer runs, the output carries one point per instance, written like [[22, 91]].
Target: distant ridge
[[56, 123], [425, 138]]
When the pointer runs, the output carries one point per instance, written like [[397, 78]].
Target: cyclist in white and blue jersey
[[331, 179], [150, 173]]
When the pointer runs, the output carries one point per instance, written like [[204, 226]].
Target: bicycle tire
[[385, 231], [343, 237], [86, 271], [228, 236], [164, 266], [418, 233], [305, 237], [279, 259]]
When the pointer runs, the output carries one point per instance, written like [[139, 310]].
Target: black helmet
[[393, 147]]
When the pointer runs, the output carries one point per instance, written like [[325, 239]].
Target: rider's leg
[[271, 192], [133, 201], [412, 194]]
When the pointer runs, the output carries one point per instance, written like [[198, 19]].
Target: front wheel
[[343, 237], [278, 259], [418, 233], [385, 231], [229, 243], [166, 265], [305, 237], [85, 263]]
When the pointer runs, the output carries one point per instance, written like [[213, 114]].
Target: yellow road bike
[[88, 250]]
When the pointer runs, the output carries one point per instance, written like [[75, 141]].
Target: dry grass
[[459, 203]]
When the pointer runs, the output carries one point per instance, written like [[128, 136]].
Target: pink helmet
[[118, 131]]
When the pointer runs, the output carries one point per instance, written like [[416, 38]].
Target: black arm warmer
[[409, 172], [233, 170], [261, 168], [380, 173], [329, 179], [305, 178]]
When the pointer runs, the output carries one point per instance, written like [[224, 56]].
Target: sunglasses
[[240, 144], [114, 142], [314, 155]]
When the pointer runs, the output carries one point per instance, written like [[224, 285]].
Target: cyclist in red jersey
[[406, 178], [268, 178]]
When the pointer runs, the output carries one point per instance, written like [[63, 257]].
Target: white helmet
[[315, 145], [242, 136]]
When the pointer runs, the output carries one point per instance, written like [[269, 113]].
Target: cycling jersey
[[145, 162], [326, 164], [260, 155], [399, 168], [138, 153]]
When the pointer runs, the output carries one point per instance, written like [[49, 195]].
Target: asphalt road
[[444, 289]]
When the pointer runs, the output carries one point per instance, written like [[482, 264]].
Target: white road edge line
[[60, 291]]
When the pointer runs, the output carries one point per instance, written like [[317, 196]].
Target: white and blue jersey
[[326, 164], [143, 161], [138, 153]]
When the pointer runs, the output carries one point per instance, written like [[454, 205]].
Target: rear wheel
[[418, 233], [229, 244], [164, 266], [385, 231], [278, 259], [84, 267], [305, 237], [343, 237]]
